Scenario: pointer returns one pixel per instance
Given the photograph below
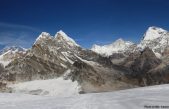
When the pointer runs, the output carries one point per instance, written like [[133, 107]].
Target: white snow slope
[[139, 98], [52, 87]]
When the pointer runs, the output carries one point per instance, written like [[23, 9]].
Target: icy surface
[[51, 87], [126, 99]]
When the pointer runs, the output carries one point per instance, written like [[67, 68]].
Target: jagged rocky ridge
[[130, 66], [50, 57]]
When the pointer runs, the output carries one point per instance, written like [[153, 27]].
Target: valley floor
[[138, 98]]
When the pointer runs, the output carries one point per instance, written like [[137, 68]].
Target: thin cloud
[[79, 39], [8, 39], [20, 35], [16, 26]]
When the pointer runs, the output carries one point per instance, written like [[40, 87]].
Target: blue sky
[[88, 22]]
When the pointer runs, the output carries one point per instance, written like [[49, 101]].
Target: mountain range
[[120, 65]]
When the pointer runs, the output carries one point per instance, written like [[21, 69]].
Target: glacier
[[138, 98]]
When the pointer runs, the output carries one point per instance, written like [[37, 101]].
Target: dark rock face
[[31, 68], [128, 61], [117, 56], [142, 65], [166, 52], [92, 56], [2, 84], [160, 75], [84, 72], [1, 68], [145, 62], [98, 77]]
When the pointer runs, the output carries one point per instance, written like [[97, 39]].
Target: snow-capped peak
[[155, 38], [117, 46], [12, 49], [154, 33], [10, 53], [60, 35], [43, 35], [118, 41]]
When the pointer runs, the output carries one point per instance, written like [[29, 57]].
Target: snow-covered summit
[[118, 46], [42, 36], [62, 36], [121, 42], [155, 38], [154, 33], [59, 37]]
